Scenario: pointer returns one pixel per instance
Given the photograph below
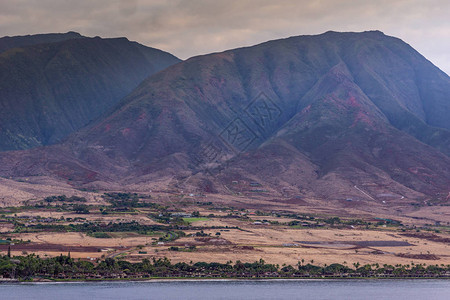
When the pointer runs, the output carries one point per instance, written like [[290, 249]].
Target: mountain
[[10, 42], [338, 116], [52, 85]]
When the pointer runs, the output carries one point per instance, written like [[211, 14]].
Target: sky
[[187, 28]]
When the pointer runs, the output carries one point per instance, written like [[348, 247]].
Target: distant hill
[[338, 116], [52, 85]]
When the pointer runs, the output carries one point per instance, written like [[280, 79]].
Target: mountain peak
[[346, 33], [9, 42]]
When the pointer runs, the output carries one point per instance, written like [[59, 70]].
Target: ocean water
[[232, 289]]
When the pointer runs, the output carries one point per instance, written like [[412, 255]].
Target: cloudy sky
[[191, 27]]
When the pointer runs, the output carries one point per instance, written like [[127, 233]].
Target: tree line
[[64, 267]]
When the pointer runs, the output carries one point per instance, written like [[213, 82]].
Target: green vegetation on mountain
[[52, 85]]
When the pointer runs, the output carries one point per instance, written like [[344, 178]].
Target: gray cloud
[[192, 27]]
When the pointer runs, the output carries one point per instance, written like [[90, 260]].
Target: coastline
[[211, 279]]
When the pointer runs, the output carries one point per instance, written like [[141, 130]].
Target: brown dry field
[[16, 192], [142, 219], [248, 245]]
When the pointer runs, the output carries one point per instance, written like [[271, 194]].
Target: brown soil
[[418, 256], [428, 236], [32, 247], [213, 241]]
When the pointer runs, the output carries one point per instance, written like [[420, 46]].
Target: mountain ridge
[[341, 113], [20, 41], [49, 90]]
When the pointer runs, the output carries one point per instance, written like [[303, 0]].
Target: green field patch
[[100, 235], [192, 220], [118, 235], [133, 234]]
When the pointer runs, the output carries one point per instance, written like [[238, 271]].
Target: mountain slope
[[352, 148], [50, 90], [332, 116]]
